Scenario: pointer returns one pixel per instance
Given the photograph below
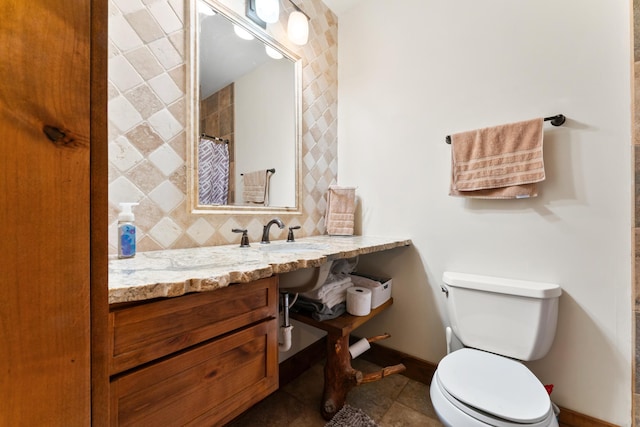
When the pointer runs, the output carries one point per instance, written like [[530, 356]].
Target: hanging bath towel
[[213, 173], [501, 162]]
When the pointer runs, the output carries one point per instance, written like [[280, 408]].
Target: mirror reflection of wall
[[248, 98], [265, 123]]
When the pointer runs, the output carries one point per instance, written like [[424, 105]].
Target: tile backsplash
[[148, 118]]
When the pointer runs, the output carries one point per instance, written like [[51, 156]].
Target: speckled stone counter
[[179, 271]]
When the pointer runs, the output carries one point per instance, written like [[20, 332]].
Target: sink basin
[[305, 279], [293, 247]]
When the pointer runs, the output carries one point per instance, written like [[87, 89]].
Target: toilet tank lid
[[502, 285]]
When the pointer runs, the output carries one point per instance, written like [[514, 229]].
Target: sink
[[293, 247], [305, 279]]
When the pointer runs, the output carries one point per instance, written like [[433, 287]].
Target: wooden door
[[45, 141]]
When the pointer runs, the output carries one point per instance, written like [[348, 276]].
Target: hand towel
[[256, 187], [501, 162], [341, 208]]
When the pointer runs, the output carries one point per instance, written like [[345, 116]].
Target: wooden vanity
[[200, 359], [194, 332]]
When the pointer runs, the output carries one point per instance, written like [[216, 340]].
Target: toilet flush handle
[[445, 290]]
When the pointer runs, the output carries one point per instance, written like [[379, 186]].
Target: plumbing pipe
[[286, 338], [286, 327], [285, 308]]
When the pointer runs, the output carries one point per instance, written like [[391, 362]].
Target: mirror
[[244, 137]]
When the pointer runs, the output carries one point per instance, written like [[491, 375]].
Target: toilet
[[500, 322]]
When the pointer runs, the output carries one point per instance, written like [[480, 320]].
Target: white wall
[[265, 135], [412, 72]]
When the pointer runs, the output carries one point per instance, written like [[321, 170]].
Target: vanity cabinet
[[198, 359]]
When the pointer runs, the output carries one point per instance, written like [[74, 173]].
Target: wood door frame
[[99, 215]]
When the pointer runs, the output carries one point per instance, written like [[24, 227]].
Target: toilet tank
[[513, 318]]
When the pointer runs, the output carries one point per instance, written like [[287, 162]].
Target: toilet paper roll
[[357, 348], [358, 301]]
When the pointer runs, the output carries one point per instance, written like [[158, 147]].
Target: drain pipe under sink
[[286, 326]]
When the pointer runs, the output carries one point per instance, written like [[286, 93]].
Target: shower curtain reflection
[[213, 172]]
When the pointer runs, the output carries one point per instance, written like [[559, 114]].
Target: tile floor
[[395, 401]]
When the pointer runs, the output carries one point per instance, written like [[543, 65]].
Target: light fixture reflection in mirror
[[268, 10], [240, 94], [242, 33], [273, 53]]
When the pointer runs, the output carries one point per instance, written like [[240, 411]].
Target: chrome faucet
[[266, 228]]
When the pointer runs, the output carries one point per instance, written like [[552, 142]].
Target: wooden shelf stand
[[339, 375]]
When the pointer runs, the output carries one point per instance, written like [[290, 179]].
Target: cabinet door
[[44, 217], [204, 386]]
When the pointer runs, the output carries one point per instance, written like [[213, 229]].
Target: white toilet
[[499, 321]]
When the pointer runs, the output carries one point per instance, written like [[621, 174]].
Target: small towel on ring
[[341, 209], [256, 187], [501, 162]]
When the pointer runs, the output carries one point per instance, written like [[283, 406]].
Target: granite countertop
[[175, 272]]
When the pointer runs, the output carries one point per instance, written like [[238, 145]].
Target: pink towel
[[341, 209], [501, 162]]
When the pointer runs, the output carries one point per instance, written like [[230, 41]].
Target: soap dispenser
[[126, 231]]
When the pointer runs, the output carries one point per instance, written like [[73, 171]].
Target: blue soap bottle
[[126, 231]]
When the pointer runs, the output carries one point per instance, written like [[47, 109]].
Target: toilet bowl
[[473, 388], [500, 322]]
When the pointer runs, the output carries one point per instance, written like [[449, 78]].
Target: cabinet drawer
[[208, 385], [148, 331]]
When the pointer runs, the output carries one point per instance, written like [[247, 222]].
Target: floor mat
[[349, 416]]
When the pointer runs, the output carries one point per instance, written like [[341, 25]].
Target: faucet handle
[[244, 240], [290, 237]]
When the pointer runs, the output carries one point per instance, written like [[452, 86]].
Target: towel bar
[[272, 170], [215, 138], [557, 120]]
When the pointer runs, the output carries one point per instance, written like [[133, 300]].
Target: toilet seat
[[493, 389]]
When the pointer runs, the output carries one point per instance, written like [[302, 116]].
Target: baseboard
[[569, 418], [417, 369]]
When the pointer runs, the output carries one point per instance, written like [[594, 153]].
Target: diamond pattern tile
[[201, 231], [165, 16], [122, 35], [167, 196], [165, 124], [122, 114], [122, 154], [122, 73], [123, 190], [165, 159], [147, 116], [166, 89], [165, 232]]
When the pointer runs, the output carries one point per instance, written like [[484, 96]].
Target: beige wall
[[147, 120]]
